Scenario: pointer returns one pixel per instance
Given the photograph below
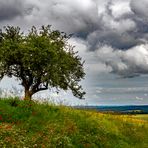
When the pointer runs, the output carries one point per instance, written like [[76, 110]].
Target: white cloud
[[128, 63], [120, 8], [139, 98]]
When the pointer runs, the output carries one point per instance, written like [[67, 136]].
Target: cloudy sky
[[110, 35]]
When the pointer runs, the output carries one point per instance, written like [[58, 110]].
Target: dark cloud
[[10, 9], [117, 26], [120, 41]]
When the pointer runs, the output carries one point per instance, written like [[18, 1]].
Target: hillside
[[31, 124]]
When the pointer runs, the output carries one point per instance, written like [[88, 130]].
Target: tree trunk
[[28, 95]]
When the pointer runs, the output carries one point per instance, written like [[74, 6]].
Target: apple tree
[[40, 59]]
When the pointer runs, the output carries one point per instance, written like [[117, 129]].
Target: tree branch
[[36, 87]]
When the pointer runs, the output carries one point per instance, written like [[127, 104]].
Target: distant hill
[[32, 124], [131, 109]]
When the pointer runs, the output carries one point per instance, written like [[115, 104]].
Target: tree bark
[[28, 95], [30, 91]]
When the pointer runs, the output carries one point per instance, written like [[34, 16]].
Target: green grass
[[31, 124]]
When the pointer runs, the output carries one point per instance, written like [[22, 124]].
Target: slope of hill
[[32, 124]]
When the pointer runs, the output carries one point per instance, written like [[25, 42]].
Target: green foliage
[[40, 59], [31, 124]]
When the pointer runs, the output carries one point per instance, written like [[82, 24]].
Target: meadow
[[43, 125], [141, 116]]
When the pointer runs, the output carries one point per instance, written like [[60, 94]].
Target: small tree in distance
[[41, 59]]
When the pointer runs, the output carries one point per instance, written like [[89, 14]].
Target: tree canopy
[[40, 59]]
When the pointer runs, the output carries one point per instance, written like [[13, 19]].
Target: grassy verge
[[31, 124]]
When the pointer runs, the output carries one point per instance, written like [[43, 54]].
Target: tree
[[41, 59]]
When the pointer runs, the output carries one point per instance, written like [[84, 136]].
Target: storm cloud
[[10, 9], [116, 30]]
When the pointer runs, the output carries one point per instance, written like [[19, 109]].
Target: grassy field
[[31, 124], [141, 116]]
